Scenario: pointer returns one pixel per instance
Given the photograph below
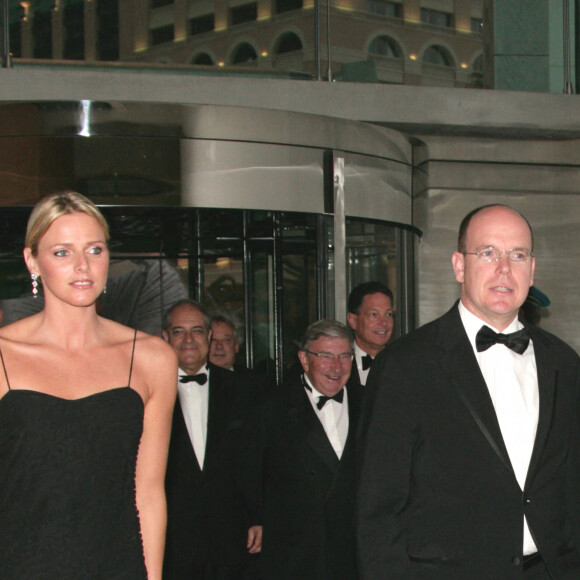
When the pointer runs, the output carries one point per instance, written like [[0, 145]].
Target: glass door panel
[[371, 250], [263, 328]]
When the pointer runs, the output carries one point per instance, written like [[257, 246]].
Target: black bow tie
[[367, 361], [323, 399], [200, 378], [516, 341]]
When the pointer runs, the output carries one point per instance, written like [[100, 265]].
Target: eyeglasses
[[492, 254], [328, 357]]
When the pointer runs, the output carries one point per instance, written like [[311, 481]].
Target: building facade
[[417, 42]]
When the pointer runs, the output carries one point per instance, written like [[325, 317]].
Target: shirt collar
[[314, 394], [203, 369], [473, 323], [359, 353]]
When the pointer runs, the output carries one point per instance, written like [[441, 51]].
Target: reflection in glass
[[384, 46], [372, 255], [437, 55], [271, 272]]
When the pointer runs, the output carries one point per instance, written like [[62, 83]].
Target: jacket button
[[516, 560]]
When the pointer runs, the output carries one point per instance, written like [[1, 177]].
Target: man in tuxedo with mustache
[[209, 531]]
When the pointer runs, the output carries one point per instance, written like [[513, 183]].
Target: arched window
[[384, 46], [289, 42], [202, 58], [244, 53], [287, 5], [438, 55]]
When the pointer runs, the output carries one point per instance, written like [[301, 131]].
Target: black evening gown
[[67, 486]]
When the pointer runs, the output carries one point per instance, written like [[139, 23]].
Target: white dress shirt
[[194, 400], [333, 416], [358, 355], [512, 381]]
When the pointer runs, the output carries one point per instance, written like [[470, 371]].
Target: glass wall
[[231, 207], [461, 43], [270, 272]]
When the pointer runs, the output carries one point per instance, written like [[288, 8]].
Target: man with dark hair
[[208, 531], [471, 466], [370, 315], [304, 470]]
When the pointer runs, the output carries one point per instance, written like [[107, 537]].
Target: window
[[203, 59], [287, 5], [437, 55], [16, 39], [244, 54], [383, 8], [476, 80], [42, 34], [160, 3], [108, 30], [477, 25], [384, 46], [436, 18], [201, 24], [162, 34], [244, 13], [288, 42], [74, 26]]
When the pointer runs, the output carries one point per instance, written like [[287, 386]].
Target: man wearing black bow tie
[[470, 467], [370, 315], [303, 453], [208, 530]]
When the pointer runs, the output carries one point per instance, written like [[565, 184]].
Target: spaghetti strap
[[5, 373], [130, 368]]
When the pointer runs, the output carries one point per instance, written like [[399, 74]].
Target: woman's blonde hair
[[51, 207]]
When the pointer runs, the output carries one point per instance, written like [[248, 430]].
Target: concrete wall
[[469, 147]]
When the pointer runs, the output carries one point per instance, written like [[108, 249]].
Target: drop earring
[[34, 278], [105, 289]]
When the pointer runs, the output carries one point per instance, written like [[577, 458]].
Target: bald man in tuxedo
[[209, 529], [470, 466]]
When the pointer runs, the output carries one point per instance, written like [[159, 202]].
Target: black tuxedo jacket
[[438, 498], [207, 519], [253, 383], [308, 492], [354, 379]]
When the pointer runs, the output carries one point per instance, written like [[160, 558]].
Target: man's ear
[[303, 357], [352, 319], [165, 335], [458, 261], [533, 270]]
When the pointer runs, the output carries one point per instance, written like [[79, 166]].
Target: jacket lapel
[[218, 413], [547, 381], [181, 448], [303, 414], [466, 378]]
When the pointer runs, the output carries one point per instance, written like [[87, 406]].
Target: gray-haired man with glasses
[[304, 466], [470, 467]]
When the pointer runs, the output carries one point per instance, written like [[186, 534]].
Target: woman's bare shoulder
[[155, 347], [21, 330]]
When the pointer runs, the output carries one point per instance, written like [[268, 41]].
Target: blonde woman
[[85, 414]]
